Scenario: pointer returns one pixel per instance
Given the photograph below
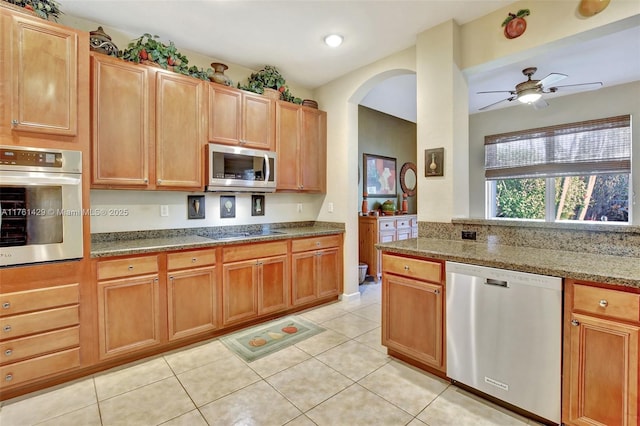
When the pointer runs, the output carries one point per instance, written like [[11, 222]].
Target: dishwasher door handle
[[499, 283]]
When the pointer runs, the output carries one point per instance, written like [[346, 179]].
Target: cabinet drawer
[[606, 302], [35, 322], [42, 298], [387, 224], [20, 372], [403, 223], [191, 259], [254, 251], [27, 347], [387, 236], [315, 243], [127, 267], [419, 269]]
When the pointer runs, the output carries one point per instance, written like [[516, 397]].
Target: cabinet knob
[[14, 122], [6, 305], [406, 267], [8, 377], [575, 322], [8, 352], [159, 181], [130, 267], [317, 243], [436, 291], [603, 303], [7, 328], [146, 181], [194, 260], [171, 278]]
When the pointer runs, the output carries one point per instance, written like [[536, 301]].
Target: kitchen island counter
[[615, 270]]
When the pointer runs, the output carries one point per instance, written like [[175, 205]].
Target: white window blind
[[587, 147]]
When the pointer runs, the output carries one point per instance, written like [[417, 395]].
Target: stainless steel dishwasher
[[504, 335]]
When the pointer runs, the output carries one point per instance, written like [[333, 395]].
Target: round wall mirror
[[408, 179]]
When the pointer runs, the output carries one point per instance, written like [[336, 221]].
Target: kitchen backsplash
[[609, 239]]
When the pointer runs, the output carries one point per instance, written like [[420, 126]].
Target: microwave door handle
[[268, 167], [40, 179]]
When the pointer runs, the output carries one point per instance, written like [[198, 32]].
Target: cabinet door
[[240, 291], [313, 150], [225, 114], [45, 77], [119, 123], [180, 135], [257, 122], [303, 283], [192, 301], [287, 145], [603, 372], [128, 315], [329, 276], [412, 319], [274, 285]]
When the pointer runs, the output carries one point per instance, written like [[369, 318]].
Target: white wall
[[605, 102], [143, 209]]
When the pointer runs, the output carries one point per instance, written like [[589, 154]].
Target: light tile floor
[[341, 376]]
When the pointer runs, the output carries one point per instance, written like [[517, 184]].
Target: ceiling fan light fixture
[[333, 40], [529, 96]]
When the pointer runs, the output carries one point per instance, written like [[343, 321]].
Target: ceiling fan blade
[[498, 91], [551, 79], [539, 104], [583, 86], [496, 103]]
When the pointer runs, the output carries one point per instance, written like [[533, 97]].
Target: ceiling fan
[[531, 91]]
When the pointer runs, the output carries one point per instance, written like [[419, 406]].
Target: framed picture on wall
[[379, 176]]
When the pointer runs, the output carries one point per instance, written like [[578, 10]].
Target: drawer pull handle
[[7, 328], [6, 305], [131, 267], [194, 260], [406, 268], [603, 303], [575, 322], [436, 291], [8, 377], [8, 352]]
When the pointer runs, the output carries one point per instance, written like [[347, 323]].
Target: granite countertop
[[122, 247], [616, 270]]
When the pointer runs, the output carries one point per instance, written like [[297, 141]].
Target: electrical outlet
[[299, 207], [330, 207], [164, 210], [469, 235]]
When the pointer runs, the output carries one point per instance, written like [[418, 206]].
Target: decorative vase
[[100, 42], [405, 203], [388, 208], [365, 204], [218, 75]]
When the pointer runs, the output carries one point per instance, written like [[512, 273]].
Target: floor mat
[[264, 339]]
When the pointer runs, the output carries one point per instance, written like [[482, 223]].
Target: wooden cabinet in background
[[148, 127], [240, 118], [301, 143], [255, 280], [129, 314], [601, 355], [413, 308], [317, 268], [373, 230], [192, 293]]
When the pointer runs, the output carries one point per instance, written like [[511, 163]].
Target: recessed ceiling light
[[333, 40]]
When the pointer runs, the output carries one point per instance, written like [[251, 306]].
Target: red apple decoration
[[515, 25], [290, 329]]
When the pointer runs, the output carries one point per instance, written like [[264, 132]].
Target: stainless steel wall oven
[[40, 205]]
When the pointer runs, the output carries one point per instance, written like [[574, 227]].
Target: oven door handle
[[38, 178]]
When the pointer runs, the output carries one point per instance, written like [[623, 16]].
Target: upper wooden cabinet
[[148, 128], [237, 117], [301, 143]]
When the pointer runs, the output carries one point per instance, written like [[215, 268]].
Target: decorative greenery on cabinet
[[269, 78]]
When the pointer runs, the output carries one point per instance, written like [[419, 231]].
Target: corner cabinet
[[413, 309], [373, 230], [301, 143], [147, 127], [601, 355], [240, 118]]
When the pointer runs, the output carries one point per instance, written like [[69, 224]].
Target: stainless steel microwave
[[237, 169]]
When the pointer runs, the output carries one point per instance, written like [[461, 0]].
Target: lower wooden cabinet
[[255, 281], [600, 380], [317, 268], [413, 308], [373, 230]]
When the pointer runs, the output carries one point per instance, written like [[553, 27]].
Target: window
[[570, 172]]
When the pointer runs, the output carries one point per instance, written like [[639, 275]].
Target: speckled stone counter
[[136, 243], [617, 270]]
